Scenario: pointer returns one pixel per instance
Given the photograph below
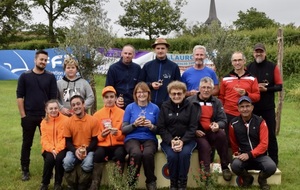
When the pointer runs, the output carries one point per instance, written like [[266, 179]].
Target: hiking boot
[[262, 181], [247, 180], [57, 187], [227, 175], [25, 175], [151, 185], [44, 187]]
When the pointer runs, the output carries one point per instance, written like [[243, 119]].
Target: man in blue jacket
[[159, 72]]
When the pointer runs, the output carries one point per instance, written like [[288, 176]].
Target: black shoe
[[247, 181], [25, 175], [44, 187], [227, 175], [57, 187]]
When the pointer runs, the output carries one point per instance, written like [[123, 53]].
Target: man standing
[[35, 88], [123, 76], [270, 81], [192, 76], [159, 72], [239, 82], [81, 140], [249, 142]]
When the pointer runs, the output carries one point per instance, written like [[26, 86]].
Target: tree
[[10, 22], [60, 9], [90, 32], [253, 19], [151, 17]]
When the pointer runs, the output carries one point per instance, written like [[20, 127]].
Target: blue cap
[[244, 98]]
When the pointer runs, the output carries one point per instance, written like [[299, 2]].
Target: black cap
[[259, 46]]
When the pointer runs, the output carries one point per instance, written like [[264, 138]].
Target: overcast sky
[[282, 11]]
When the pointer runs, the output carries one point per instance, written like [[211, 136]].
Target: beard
[[258, 60]]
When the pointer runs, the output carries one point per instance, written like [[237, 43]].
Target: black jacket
[[177, 120]]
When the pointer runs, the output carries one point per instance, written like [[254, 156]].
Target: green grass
[[11, 137]]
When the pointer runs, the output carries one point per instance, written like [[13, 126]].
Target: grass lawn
[[11, 137]]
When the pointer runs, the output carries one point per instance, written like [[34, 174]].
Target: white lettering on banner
[[57, 60]]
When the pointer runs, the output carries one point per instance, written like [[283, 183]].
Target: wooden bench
[[161, 173]]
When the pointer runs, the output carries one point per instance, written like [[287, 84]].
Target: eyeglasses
[[176, 93], [142, 92]]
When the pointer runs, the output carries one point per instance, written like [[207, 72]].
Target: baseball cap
[[244, 98], [259, 46], [108, 89], [160, 41]]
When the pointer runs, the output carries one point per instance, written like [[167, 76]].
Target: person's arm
[[262, 147], [221, 118], [128, 127], [216, 89], [20, 102], [222, 92], [166, 136], [277, 81], [70, 146], [89, 99], [53, 88], [92, 144], [233, 142], [45, 141]]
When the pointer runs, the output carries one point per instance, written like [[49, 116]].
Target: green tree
[[253, 19], [223, 41], [59, 9], [151, 17], [90, 32], [10, 21]]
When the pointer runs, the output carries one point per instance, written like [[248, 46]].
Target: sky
[[284, 12]]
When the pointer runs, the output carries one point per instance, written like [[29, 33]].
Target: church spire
[[212, 13]]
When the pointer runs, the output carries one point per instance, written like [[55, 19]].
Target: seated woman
[[53, 144], [177, 125], [110, 139], [140, 133]]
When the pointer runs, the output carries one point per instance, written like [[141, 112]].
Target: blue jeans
[[70, 161], [179, 162], [263, 163]]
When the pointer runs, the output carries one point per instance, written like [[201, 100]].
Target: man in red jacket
[[249, 142]]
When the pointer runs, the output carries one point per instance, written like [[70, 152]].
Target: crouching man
[[81, 140], [249, 141]]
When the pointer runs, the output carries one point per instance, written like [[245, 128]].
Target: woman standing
[[177, 125], [53, 144], [140, 133]]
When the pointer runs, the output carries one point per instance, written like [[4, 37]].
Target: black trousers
[[29, 125], [142, 152], [115, 153], [49, 163]]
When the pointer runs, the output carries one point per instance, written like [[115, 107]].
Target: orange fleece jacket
[[115, 114], [53, 133]]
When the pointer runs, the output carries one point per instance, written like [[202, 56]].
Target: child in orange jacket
[[53, 144]]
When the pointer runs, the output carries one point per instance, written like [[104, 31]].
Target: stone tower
[[212, 13]]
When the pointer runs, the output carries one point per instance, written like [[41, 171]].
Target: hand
[[114, 131], [243, 157], [200, 133], [240, 91], [177, 145], [66, 112], [80, 153], [262, 87], [214, 127], [120, 102], [105, 132], [147, 123], [54, 153], [140, 121], [156, 85]]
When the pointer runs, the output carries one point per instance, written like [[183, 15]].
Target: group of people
[[187, 112]]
